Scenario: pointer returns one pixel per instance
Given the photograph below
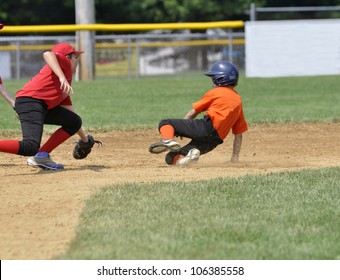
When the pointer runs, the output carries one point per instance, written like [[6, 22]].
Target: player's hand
[[65, 86], [234, 158]]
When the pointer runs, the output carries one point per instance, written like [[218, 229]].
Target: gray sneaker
[[190, 158], [43, 160], [164, 145]]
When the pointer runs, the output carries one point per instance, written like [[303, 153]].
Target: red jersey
[[223, 105], [0, 81], [46, 86]]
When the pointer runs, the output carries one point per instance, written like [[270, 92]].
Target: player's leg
[[31, 114], [170, 128], [193, 129], [70, 124], [204, 139], [176, 158], [167, 143]]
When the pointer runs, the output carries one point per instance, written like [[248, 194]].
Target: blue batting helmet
[[223, 73]]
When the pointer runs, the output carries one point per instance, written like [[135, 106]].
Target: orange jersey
[[223, 105]]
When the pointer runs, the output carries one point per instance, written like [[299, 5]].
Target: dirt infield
[[39, 210]]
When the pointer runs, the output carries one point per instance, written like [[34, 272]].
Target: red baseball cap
[[65, 49], [1, 26]]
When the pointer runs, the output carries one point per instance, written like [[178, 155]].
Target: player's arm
[[191, 114], [6, 95], [52, 61], [80, 132], [236, 147], [82, 135]]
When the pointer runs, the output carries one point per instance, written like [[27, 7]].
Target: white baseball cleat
[[164, 145], [44, 161], [190, 158]]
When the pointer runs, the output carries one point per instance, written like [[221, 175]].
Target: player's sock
[[9, 146], [58, 137], [176, 158], [167, 131]]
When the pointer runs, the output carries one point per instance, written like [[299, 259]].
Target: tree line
[[39, 12]]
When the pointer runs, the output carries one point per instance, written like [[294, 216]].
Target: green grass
[[292, 99], [128, 104], [277, 216]]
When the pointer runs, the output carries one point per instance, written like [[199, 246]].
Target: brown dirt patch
[[39, 210]]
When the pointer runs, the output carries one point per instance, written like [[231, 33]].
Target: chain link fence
[[130, 56]]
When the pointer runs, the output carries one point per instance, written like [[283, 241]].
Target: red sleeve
[[65, 65], [0, 81]]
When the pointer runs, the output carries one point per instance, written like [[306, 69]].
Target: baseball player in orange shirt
[[223, 112]]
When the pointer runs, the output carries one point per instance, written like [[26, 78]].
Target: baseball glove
[[82, 149]]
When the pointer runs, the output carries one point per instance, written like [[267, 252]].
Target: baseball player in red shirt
[[45, 99], [223, 112]]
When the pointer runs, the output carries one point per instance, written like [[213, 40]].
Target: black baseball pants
[[203, 135], [33, 114]]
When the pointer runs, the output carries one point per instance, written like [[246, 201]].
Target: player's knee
[[169, 157], [162, 123], [172, 157], [73, 125], [28, 148]]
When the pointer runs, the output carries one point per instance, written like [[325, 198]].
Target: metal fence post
[[17, 60], [137, 58], [129, 58], [252, 12], [230, 45]]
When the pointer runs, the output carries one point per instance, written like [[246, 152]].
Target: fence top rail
[[120, 27], [297, 9], [144, 36], [36, 38], [169, 36]]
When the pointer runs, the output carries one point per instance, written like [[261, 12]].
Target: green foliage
[[151, 11], [298, 14], [27, 12], [170, 11], [294, 3], [277, 216]]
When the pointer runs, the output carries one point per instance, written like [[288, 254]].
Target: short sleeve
[[241, 125]]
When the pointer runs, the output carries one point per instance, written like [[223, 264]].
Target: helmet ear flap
[[219, 79]]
